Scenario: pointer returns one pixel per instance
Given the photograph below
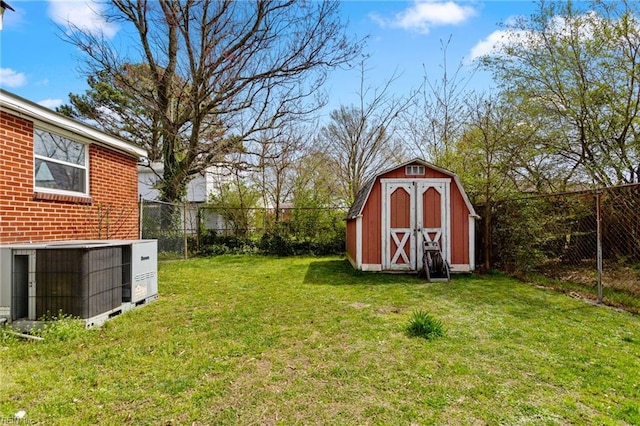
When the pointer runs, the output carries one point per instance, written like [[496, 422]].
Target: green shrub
[[277, 243], [424, 325], [212, 244], [6, 335], [60, 327]]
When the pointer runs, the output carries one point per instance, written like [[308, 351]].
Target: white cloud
[[492, 44], [586, 26], [50, 103], [81, 14], [423, 15], [11, 78]]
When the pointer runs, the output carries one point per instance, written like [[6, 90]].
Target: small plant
[[6, 337], [424, 325], [60, 327]]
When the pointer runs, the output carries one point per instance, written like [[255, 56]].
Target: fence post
[[184, 229], [599, 242], [140, 215], [198, 228]]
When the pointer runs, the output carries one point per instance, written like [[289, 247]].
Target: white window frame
[[85, 168], [414, 170]]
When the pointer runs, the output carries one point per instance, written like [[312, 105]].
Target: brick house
[[61, 179]]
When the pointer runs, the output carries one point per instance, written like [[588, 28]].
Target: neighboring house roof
[[363, 193], [25, 108]]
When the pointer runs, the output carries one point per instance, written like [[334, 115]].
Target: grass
[[424, 325], [253, 340], [621, 284]]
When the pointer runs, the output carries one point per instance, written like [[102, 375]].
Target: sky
[[404, 38]]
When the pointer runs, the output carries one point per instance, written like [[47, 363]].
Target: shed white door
[[413, 211]]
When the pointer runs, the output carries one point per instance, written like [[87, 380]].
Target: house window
[[60, 163], [414, 170]]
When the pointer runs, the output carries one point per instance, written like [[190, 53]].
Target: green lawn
[[254, 340]]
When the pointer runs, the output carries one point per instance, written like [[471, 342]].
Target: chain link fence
[[189, 229], [173, 225], [586, 242]]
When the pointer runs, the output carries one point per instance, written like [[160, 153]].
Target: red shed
[[400, 208]]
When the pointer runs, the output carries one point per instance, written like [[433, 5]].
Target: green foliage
[[424, 325], [289, 245], [572, 69], [235, 202], [60, 327], [6, 337], [528, 232], [212, 244], [317, 223], [315, 194], [277, 243], [271, 243], [311, 226], [518, 232]]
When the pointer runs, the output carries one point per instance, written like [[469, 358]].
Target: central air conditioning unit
[[91, 280], [143, 285]]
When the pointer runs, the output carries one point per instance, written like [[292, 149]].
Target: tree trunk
[[487, 235]]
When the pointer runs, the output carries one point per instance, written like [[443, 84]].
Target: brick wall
[[110, 212]]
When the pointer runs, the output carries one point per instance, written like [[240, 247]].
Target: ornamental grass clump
[[424, 325]]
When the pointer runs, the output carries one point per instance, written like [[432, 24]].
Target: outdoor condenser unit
[[144, 272], [92, 280]]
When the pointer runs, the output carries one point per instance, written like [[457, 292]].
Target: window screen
[[60, 163]]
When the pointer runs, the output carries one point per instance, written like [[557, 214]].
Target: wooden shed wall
[[352, 250], [459, 228], [372, 219], [372, 227]]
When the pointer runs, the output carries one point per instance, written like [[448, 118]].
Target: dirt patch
[[391, 310], [358, 305], [618, 277]]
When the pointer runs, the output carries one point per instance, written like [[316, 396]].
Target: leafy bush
[[212, 244], [60, 327], [277, 243], [527, 233], [424, 325], [289, 245], [6, 337]]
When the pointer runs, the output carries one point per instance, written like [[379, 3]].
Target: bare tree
[[276, 172], [439, 112], [217, 71], [361, 138]]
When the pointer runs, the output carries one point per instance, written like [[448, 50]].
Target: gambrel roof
[[363, 193]]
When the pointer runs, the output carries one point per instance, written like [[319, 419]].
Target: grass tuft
[[424, 325]]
